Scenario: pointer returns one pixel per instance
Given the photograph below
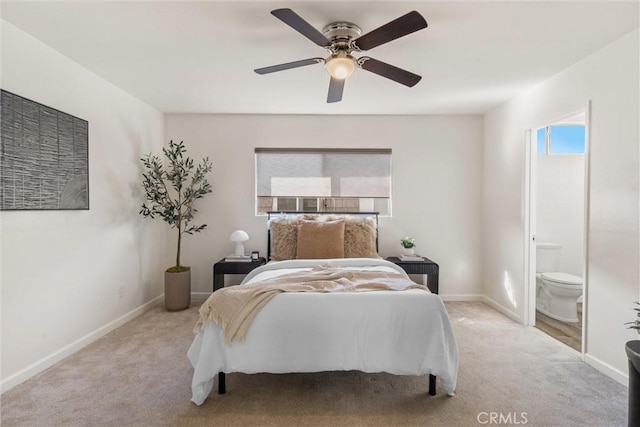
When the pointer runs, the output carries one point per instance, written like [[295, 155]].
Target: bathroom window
[[561, 139], [323, 180]]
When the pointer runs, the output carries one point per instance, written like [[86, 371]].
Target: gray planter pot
[[177, 290], [633, 354]]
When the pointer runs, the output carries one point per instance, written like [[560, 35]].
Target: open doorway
[[557, 202]]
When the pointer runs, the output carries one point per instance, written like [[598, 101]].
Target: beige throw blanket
[[235, 307]]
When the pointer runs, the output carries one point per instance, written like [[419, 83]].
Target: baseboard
[[502, 309], [48, 361], [607, 369]]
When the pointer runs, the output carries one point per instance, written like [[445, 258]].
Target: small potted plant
[[633, 355], [408, 245], [171, 192]]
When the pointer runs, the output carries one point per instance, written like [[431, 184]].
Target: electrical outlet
[[121, 290]]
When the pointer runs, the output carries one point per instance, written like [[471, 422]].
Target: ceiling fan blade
[[289, 65], [336, 86], [406, 24], [389, 71], [294, 20]]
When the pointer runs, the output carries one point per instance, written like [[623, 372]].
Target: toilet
[[557, 293]]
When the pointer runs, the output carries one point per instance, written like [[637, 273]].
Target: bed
[[394, 329]]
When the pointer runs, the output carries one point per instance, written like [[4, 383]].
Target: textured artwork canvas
[[45, 157]]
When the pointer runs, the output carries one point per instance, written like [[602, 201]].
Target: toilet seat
[[562, 279]]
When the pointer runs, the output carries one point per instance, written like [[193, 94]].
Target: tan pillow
[[284, 235], [360, 238], [320, 239]]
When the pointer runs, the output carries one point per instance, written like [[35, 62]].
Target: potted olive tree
[[171, 191]]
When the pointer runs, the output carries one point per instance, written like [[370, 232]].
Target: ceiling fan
[[342, 39]]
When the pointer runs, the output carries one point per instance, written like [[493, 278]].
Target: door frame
[[530, 218]]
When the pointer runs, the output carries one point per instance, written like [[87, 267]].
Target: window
[[561, 139], [319, 180]]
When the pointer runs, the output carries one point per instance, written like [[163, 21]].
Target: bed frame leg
[[432, 385], [222, 389]]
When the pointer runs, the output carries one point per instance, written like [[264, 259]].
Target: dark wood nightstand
[[223, 267], [426, 267]]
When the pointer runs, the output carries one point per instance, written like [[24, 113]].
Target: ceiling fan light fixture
[[340, 65]]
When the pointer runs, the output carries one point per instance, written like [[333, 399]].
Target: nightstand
[[426, 268], [223, 267]]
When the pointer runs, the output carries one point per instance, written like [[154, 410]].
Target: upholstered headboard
[[321, 235]]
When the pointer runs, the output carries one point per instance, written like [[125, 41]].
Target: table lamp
[[239, 237]]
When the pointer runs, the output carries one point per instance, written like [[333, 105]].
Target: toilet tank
[[547, 257]]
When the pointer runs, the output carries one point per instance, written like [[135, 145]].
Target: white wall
[[61, 270], [437, 169], [560, 207], [609, 78]]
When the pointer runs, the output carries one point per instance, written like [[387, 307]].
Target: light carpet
[[139, 375]]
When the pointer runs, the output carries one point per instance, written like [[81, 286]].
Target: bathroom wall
[[560, 210]]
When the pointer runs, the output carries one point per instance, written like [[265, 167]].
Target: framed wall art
[[44, 157]]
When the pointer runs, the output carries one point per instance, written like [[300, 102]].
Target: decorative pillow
[[360, 238], [284, 235], [320, 239]]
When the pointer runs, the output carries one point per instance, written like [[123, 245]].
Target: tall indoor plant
[[171, 191]]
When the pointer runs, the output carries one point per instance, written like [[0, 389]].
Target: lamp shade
[[238, 237], [340, 65]]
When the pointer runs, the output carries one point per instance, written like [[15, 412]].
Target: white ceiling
[[198, 57]]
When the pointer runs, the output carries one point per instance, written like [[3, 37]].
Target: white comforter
[[399, 332]]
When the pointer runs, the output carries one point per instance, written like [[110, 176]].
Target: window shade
[[323, 173]]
